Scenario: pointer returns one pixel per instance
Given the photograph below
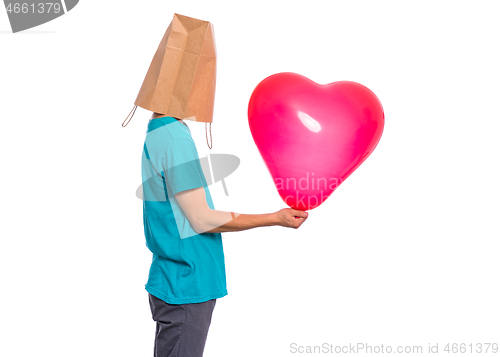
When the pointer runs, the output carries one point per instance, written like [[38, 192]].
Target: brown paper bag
[[180, 81]]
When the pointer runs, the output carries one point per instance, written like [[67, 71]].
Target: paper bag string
[[129, 119], [211, 144]]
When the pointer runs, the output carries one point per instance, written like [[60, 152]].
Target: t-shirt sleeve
[[182, 166]]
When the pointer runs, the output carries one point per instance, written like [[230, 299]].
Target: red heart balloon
[[313, 136]]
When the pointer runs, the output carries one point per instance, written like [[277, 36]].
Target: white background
[[405, 252]]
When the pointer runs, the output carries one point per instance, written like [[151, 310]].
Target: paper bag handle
[[211, 144], [129, 119]]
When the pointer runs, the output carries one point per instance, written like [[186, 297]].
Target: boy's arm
[[204, 219]]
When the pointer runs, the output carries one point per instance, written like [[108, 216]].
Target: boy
[[181, 226]]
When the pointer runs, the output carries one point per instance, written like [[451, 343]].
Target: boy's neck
[[159, 115]]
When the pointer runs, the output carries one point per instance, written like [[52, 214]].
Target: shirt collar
[[159, 122]]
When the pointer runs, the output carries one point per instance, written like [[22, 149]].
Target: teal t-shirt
[[187, 267]]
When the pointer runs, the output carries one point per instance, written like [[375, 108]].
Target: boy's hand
[[289, 217]]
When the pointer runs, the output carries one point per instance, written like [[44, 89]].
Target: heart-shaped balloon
[[313, 136]]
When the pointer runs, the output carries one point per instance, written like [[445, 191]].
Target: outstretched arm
[[204, 219]]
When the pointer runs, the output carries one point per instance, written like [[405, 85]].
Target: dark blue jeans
[[181, 330]]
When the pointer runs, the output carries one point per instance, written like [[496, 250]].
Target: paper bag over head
[[181, 78]]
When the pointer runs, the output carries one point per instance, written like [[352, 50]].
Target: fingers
[[301, 214], [291, 217], [299, 217], [298, 222]]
